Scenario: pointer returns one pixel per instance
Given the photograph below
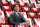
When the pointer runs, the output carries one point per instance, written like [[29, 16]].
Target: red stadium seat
[[24, 14], [38, 15], [32, 1], [28, 20], [37, 5], [6, 8], [21, 26], [8, 13], [32, 15], [22, 4], [35, 26], [38, 2], [6, 26], [21, 1], [3, 21], [30, 5], [12, 3], [35, 10], [37, 21], [2, 14], [26, 9], [4, 3], [24, 1]]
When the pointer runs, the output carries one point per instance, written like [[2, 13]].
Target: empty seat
[[22, 4], [6, 26], [21, 26], [4, 3], [2, 14], [35, 10], [37, 21], [32, 15], [21, 1], [26, 9], [37, 5], [32, 1], [30, 5], [6, 8], [3, 21], [24, 1], [35, 26], [38, 2], [8, 13], [24, 14], [28, 20], [12, 3], [38, 15]]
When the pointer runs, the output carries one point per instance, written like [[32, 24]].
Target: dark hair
[[15, 5]]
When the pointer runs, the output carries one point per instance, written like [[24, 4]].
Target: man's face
[[16, 8]]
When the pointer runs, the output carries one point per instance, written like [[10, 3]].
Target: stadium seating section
[[29, 8]]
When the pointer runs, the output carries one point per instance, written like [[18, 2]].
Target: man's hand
[[24, 23]]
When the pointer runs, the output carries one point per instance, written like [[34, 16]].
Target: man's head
[[16, 7]]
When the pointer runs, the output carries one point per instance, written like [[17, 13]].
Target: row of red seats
[[12, 3], [28, 9], [26, 26], [7, 8], [25, 1], [30, 14], [4, 22], [25, 9], [17, 26], [6, 26], [38, 2]]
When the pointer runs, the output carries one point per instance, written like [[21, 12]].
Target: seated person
[[17, 18]]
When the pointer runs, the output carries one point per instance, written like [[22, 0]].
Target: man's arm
[[23, 19], [11, 19]]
